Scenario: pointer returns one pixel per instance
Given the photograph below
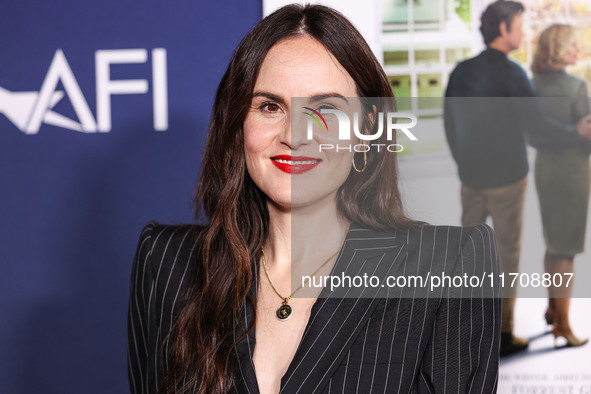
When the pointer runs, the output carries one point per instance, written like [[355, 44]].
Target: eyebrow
[[268, 95], [317, 97], [323, 96]]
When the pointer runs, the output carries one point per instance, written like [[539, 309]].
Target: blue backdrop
[[76, 190]]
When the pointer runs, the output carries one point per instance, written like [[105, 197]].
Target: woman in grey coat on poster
[[561, 170]]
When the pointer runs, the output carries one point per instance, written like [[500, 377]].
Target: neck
[[500, 45], [302, 238]]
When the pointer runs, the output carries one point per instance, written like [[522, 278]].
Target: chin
[[308, 198], [280, 201]]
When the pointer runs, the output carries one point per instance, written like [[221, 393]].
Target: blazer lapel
[[339, 315]]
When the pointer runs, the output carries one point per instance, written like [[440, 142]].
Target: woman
[[561, 171], [211, 310]]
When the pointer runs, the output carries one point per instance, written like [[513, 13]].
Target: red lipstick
[[295, 164]]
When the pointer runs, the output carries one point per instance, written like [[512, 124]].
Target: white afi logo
[[28, 110]]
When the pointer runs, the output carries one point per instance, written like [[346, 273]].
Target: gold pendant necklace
[[285, 311]]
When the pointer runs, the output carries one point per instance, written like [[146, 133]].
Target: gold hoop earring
[[364, 162]]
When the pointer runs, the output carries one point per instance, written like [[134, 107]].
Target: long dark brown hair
[[202, 357]]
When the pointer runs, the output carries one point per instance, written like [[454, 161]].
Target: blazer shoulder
[[464, 233], [559, 84], [575, 83], [452, 247], [163, 236], [449, 235], [165, 251]]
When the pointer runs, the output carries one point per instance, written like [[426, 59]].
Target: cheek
[[517, 37], [257, 138], [343, 163], [252, 145], [574, 51]]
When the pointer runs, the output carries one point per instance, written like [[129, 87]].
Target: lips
[[295, 164]]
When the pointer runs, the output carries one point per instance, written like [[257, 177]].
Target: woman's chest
[[277, 340], [380, 346]]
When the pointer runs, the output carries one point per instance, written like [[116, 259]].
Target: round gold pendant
[[284, 311]]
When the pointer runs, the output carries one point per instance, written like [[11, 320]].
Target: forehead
[[301, 67]]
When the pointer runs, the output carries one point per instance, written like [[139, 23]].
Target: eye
[[270, 107]]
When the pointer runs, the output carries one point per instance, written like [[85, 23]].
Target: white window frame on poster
[[446, 33]]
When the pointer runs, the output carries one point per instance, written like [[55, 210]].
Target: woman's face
[[572, 53], [287, 166]]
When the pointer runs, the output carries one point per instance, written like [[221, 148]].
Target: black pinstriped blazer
[[394, 342]]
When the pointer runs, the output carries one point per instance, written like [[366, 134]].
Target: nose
[[294, 132]]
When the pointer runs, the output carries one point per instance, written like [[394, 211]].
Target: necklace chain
[[285, 310], [286, 299]]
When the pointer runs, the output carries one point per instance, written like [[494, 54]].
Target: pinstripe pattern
[[399, 341]]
